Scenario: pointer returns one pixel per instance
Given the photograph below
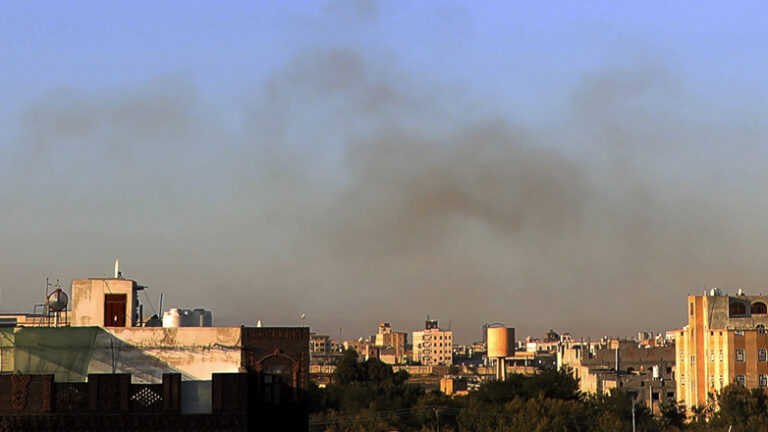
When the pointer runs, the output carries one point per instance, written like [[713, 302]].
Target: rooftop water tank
[[177, 317], [172, 318], [57, 300]]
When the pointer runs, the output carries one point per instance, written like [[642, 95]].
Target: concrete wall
[[148, 352]]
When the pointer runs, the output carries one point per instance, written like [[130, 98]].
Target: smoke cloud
[[355, 193]]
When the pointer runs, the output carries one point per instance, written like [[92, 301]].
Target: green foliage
[[672, 416], [549, 383], [368, 396], [349, 371], [741, 408]]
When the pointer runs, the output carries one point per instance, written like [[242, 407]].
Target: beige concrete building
[[725, 342], [646, 372], [397, 341], [106, 334], [365, 348], [433, 346], [106, 302]]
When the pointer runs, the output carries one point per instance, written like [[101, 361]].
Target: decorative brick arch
[[280, 357]]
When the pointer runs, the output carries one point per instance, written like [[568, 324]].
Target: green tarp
[[63, 351]]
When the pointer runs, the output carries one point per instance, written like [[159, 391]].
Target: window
[[741, 380], [758, 308], [721, 381], [277, 377], [763, 380], [693, 360], [711, 355], [670, 395], [739, 355], [691, 309], [682, 379], [738, 332], [737, 308], [762, 355], [721, 355]]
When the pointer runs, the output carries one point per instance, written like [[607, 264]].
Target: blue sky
[[316, 155], [510, 54]]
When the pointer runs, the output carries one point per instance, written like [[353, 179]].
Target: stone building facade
[[725, 342]]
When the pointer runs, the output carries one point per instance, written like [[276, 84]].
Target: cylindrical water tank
[[177, 317], [656, 372], [187, 318], [501, 342], [58, 300], [172, 318], [205, 318]]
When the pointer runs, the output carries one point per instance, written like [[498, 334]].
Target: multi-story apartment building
[[365, 348], [433, 346], [397, 341], [645, 372], [725, 342]]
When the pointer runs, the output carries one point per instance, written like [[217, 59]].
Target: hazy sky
[[572, 165]]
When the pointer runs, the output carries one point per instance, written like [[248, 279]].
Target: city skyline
[[580, 168]]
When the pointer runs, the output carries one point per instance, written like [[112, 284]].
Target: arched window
[[277, 372], [763, 380], [737, 308], [759, 308], [740, 355], [762, 355], [741, 380]]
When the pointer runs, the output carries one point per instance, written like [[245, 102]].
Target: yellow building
[[725, 342]]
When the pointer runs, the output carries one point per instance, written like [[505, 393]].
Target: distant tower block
[[501, 344]]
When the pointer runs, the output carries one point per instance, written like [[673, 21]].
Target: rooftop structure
[[107, 334]]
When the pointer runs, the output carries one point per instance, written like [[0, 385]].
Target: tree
[[347, 369], [672, 415]]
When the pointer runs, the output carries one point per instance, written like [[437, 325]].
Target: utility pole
[[633, 415]]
